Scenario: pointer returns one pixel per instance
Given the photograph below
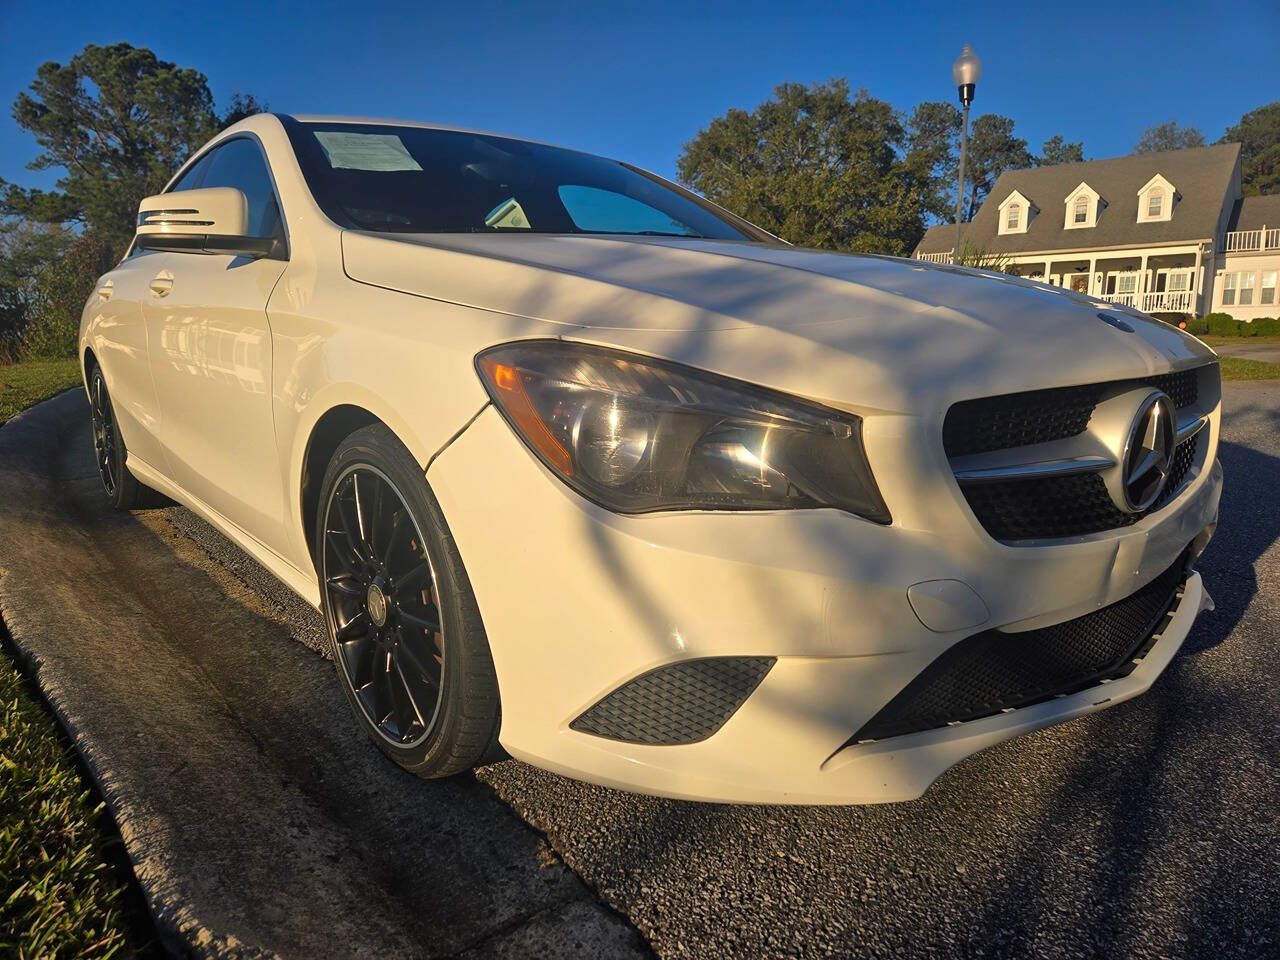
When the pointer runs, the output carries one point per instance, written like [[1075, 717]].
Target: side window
[[194, 177], [239, 163]]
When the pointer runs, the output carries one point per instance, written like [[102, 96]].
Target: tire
[[122, 489], [404, 628]]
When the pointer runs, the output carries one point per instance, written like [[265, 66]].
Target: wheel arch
[[335, 425], [88, 360]]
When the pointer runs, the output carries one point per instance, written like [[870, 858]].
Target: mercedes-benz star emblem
[[1148, 453], [376, 602]]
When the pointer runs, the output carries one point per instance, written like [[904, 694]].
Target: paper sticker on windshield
[[508, 215], [383, 152]]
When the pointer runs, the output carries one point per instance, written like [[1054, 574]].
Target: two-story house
[[1168, 233]]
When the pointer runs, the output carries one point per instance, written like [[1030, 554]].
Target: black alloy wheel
[[109, 451], [404, 627], [384, 605]]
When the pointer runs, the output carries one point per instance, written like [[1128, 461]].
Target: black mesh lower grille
[[993, 671], [681, 703], [1068, 506]]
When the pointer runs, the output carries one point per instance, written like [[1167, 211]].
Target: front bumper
[[577, 601]]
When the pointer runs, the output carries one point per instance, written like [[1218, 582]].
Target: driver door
[[210, 347]]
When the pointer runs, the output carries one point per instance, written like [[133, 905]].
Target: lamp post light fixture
[[965, 72]]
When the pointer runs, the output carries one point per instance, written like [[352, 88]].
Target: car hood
[[808, 321]]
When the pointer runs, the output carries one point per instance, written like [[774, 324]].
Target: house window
[[1244, 289], [1081, 214], [1013, 216], [1155, 204], [1127, 283], [1179, 281], [1267, 294]]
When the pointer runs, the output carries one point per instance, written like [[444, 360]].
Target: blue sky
[[636, 80]]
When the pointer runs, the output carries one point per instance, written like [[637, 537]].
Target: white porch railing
[[1170, 301], [1175, 301], [1127, 299], [935, 257], [1248, 241]]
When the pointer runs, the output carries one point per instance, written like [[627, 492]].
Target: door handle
[[162, 283], [105, 291]]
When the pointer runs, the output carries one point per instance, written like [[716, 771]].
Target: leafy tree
[[25, 249], [1056, 150], [815, 166], [1168, 136], [53, 326], [119, 121], [933, 138], [993, 149], [1258, 133], [242, 105]]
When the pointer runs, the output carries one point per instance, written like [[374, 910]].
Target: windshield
[[419, 180]]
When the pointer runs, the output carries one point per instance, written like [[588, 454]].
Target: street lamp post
[[965, 72]]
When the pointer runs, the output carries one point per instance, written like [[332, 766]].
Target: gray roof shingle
[[1254, 213], [1201, 176]]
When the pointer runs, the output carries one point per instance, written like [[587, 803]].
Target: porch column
[[1144, 274], [1047, 265], [1093, 266], [1142, 287], [1197, 285]]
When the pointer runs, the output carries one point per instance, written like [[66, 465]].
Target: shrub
[[1263, 327], [62, 288], [1222, 324], [1197, 325]]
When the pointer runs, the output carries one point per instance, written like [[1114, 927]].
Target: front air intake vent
[[681, 703], [991, 672]]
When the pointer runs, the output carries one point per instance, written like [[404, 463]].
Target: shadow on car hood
[[695, 299]]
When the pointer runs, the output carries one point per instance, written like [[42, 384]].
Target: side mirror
[[210, 220]]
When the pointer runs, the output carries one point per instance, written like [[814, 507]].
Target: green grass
[[63, 890], [22, 384], [1242, 368]]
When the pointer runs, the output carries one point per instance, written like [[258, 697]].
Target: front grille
[[1042, 416], [1071, 506], [681, 703], [992, 672], [1054, 507]]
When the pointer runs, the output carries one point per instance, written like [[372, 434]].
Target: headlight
[[636, 435]]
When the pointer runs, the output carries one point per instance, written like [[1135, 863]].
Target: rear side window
[[239, 163]]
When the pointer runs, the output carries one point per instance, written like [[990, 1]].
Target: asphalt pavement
[[1148, 830], [1267, 350]]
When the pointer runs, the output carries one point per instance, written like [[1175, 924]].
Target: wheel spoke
[[362, 524], [344, 553], [375, 518], [405, 710], [352, 530], [357, 626], [427, 669], [425, 620], [345, 584], [415, 579], [393, 538]]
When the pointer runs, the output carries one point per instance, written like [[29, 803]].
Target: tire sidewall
[[118, 497]]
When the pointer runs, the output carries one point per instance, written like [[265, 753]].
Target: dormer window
[[1016, 212], [1156, 200], [1083, 207]]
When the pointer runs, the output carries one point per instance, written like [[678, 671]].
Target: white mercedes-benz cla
[[582, 467]]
